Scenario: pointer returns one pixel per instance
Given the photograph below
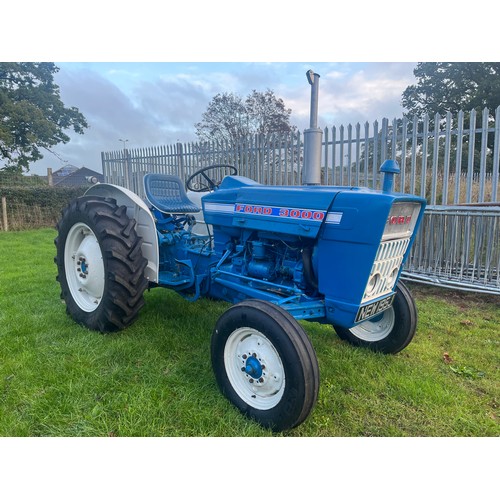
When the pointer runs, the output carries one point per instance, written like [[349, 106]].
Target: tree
[[230, 118], [452, 86], [268, 113], [455, 86], [32, 115]]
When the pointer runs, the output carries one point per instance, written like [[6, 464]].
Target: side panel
[[146, 229]]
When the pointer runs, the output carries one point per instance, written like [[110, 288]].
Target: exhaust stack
[[311, 170]]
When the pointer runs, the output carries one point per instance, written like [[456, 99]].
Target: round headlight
[[391, 279], [373, 284]]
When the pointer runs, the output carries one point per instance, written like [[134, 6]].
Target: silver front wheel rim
[[254, 368], [84, 267], [376, 329]]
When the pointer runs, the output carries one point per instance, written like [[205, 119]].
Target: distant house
[[73, 176]]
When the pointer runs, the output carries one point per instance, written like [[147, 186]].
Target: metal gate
[[446, 159]]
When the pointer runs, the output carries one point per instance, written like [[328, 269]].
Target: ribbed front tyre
[[100, 264], [265, 365], [388, 332]]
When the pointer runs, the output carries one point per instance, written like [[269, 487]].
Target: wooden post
[[49, 177], [5, 222]]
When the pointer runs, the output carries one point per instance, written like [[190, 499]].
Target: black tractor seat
[[166, 193]]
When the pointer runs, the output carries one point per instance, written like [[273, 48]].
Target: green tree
[[452, 86], [32, 115], [229, 117], [455, 86]]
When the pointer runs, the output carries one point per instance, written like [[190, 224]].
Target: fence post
[[5, 221], [49, 177], [127, 160], [180, 162]]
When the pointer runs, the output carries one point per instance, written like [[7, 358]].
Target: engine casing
[[345, 246]]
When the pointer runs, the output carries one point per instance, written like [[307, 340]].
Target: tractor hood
[[242, 202]]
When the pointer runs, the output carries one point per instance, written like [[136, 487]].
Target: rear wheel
[[265, 365], [389, 332], [100, 264]]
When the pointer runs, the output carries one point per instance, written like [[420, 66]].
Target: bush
[[32, 207]]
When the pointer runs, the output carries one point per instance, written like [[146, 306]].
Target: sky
[[145, 72], [158, 103]]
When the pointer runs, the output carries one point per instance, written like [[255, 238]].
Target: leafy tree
[[229, 117], [32, 115], [455, 86], [452, 86]]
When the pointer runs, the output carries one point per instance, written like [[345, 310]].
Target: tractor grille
[[385, 269], [391, 251]]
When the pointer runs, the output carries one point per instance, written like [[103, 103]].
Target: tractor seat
[[166, 193]]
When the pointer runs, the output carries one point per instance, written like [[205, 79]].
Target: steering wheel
[[208, 183]]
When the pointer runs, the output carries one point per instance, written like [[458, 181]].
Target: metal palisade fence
[[451, 160]]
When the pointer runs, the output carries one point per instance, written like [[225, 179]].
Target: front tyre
[[390, 331], [100, 264], [265, 365]]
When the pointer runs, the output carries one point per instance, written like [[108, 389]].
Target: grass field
[[155, 378]]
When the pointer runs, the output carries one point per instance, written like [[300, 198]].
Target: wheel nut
[[261, 380], [251, 380]]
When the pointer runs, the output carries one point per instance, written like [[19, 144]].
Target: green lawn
[[155, 378]]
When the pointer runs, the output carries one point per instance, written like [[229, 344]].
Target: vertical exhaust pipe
[[311, 170]]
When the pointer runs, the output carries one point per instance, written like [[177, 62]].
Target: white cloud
[[149, 105]]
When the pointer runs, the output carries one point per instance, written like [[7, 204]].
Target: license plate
[[370, 310]]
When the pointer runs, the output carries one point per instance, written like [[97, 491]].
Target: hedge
[[35, 207]]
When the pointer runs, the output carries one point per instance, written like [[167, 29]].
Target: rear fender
[[146, 229]]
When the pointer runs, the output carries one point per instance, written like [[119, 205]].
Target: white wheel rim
[[84, 267], [376, 329], [263, 387]]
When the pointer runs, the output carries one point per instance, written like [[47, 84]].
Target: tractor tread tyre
[[299, 360], [123, 263], [403, 329]]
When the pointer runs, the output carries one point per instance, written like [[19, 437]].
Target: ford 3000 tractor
[[278, 254]]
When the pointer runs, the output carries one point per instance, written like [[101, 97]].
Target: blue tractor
[[278, 254]]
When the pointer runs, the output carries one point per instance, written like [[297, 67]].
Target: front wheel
[[265, 365], [390, 331]]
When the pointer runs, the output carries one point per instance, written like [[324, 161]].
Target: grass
[[155, 378]]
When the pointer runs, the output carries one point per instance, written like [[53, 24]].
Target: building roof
[[72, 176]]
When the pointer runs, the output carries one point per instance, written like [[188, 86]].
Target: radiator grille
[[385, 268]]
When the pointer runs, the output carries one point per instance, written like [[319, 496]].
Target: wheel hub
[[253, 367], [84, 267]]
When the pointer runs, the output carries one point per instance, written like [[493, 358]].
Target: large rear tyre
[[390, 331], [265, 365], [100, 264]]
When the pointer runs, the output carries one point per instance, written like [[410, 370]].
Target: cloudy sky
[[150, 104]]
